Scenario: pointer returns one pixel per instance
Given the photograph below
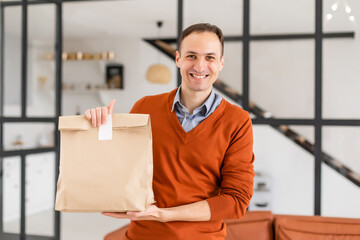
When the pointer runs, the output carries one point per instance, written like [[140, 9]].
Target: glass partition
[[41, 61], [232, 71], [339, 196], [282, 77], [341, 85], [11, 187], [28, 135], [342, 143], [285, 174], [40, 194], [340, 16], [213, 12], [12, 65], [282, 16]]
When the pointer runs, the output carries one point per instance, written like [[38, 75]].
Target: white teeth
[[198, 76]]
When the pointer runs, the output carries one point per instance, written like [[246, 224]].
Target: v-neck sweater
[[212, 162]]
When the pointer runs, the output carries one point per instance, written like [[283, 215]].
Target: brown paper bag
[[105, 175]]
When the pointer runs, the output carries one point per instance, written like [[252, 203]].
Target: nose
[[200, 65]]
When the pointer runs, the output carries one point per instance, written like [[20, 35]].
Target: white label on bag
[[105, 130]]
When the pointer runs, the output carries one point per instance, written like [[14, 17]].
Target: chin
[[199, 88]]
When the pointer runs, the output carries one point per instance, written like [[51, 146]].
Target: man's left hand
[[197, 211], [151, 213]]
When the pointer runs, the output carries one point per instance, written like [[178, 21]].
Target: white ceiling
[[103, 19]]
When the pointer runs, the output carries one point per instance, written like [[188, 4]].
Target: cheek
[[215, 68], [185, 66]]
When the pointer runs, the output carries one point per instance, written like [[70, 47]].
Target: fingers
[[127, 216], [115, 215], [98, 116], [111, 106], [104, 113], [93, 117], [135, 215], [88, 114], [151, 213], [144, 214]]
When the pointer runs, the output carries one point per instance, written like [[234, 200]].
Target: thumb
[[111, 106]]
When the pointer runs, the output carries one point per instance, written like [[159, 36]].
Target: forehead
[[202, 43]]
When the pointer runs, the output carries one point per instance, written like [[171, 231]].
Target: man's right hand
[[97, 116]]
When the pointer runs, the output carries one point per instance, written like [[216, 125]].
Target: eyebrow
[[192, 52]]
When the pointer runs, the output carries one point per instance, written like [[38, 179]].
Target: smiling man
[[202, 146]]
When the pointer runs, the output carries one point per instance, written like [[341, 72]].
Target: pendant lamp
[[158, 73]]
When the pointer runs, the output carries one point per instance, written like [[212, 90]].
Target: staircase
[[164, 45]]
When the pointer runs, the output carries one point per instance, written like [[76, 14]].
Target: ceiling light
[[329, 16], [335, 6], [158, 73], [347, 9], [352, 18]]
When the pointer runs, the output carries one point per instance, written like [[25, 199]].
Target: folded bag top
[[119, 121], [111, 175]]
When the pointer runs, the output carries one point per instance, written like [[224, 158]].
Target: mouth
[[199, 76]]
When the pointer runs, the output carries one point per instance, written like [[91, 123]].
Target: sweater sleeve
[[137, 106], [237, 176]]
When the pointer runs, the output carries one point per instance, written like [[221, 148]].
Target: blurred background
[[295, 71]]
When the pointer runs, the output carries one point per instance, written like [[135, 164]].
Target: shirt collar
[[176, 99], [209, 101]]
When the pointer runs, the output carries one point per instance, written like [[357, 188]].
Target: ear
[[222, 62], [177, 59]]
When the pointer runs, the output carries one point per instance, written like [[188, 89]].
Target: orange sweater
[[212, 162]]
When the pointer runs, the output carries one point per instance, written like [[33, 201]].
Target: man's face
[[200, 61]]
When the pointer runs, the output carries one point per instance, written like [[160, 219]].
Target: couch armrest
[[255, 225], [315, 227]]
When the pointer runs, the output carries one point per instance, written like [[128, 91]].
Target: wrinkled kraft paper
[[105, 175]]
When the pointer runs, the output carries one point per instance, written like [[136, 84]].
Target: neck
[[193, 99]]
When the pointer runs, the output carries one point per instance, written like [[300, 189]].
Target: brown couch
[[263, 225]]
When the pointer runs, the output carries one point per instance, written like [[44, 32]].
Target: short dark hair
[[203, 27]]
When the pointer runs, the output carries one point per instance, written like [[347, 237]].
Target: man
[[202, 146]]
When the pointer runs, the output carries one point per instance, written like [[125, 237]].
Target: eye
[[191, 56], [210, 58]]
